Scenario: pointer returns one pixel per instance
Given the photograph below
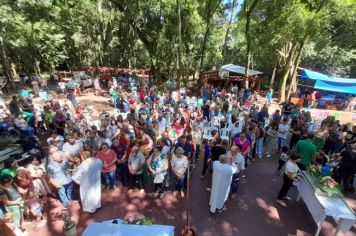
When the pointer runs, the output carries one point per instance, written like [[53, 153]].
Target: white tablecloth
[[320, 207], [109, 229]]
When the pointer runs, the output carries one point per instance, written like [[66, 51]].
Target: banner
[[343, 116]]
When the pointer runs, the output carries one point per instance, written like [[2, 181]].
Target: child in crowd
[[35, 207], [282, 159]]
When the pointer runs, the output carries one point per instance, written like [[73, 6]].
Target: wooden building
[[233, 74]]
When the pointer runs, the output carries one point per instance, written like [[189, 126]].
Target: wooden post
[[258, 86]]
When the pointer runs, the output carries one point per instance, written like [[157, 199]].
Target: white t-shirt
[[283, 131], [235, 130], [58, 139], [291, 168], [179, 164], [135, 161], [238, 162], [72, 149]]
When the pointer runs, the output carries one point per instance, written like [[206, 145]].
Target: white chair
[[214, 128], [224, 135], [228, 125], [216, 121], [207, 134]]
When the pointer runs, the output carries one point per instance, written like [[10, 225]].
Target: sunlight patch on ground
[[228, 229], [130, 207], [242, 205], [271, 211]]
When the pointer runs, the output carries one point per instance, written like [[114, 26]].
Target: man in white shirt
[[283, 129], [235, 129], [238, 161]]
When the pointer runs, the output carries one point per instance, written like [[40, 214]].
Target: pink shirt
[[107, 158], [244, 145]]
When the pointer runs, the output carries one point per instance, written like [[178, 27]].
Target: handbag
[[159, 178]]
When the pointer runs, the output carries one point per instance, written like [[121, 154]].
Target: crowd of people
[[157, 138]]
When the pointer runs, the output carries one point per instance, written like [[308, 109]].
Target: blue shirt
[[59, 171], [187, 147]]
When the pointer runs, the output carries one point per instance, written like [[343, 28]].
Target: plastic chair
[[225, 134], [207, 134], [214, 128]]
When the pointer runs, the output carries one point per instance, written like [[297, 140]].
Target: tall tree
[[180, 63], [208, 10], [248, 9], [233, 6]]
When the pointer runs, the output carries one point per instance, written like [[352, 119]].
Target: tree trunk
[[248, 12], [273, 76], [14, 71], [224, 49], [210, 9], [283, 82], [180, 63], [5, 62], [203, 48], [293, 85]]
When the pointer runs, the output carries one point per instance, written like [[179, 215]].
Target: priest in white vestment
[[222, 176], [88, 176]]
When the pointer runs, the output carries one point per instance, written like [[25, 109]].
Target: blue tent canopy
[[335, 87], [308, 74], [329, 83]]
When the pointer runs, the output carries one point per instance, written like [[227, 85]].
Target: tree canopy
[[180, 38]]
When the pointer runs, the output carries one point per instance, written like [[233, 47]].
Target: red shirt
[[106, 77], [123, 140], [142, 94], [107, 158]]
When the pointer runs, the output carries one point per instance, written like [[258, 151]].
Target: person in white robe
[[222, 177], [88, 176]]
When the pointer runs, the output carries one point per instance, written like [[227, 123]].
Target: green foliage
[[41, 34]]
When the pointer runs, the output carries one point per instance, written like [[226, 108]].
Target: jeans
[[65, 193], [205, 166], [293, 142], [281, 143], [280, 164], [137, 180], [116, 102], [197, 152], [259, 147], [110, 179], [235, 183], [180, 183], [287, 183]]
